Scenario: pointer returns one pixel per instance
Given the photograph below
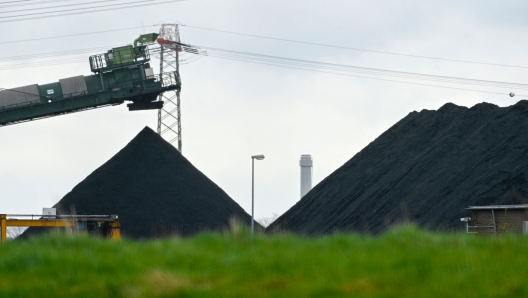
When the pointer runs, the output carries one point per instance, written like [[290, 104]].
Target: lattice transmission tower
[[169, 117]]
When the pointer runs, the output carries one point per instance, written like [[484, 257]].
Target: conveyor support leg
[[4, 229]]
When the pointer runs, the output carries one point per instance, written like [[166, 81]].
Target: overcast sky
[[232, 110]]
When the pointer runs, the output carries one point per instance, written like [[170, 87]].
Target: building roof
[[490, 207]]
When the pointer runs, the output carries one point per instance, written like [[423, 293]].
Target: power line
[[71, 35], [68, 53], [14, 1], [265, 60], [43, 63], [286, 40], [52, 54], [64, 5], [52, 14], [274, 61], [347, 68], [371, 78], [200, 54], [84, 8], [271, 60], [358, 49], [32, 3]]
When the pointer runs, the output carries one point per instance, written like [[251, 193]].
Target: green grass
[[405, 262]]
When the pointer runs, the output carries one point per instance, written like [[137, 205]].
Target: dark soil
[[426, 169], [154, 190]]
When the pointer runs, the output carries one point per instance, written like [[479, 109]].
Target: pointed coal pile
[[154, 190], [425, 169]]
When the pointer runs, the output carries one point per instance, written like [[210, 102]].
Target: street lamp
[[257, 157]]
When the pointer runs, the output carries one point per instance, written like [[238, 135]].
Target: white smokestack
[[306, 164]]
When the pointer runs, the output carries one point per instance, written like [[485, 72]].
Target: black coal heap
[[425, 169], [154, 190]]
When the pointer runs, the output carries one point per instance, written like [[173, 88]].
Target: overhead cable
[[2, 5], [373, 78], [14, 1], [221, 53], [43, 63], [282, 39], [53, 14], [53, 54], [72, 35], [114, 6], [308, 66], [64, 5], [357, 49]]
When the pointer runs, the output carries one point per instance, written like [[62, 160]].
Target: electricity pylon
[[169, 117]]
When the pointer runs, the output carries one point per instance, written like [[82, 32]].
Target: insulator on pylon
[[169, 34]]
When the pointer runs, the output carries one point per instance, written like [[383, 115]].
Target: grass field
[[404, 262]]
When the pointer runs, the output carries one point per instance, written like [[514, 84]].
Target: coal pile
[[425, 169], [154, 190]]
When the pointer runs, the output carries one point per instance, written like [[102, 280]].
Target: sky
[[232, 110]]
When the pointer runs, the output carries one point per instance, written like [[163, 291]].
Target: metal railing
[[64, 216], [125, 55]]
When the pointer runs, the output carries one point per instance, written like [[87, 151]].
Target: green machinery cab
[[123, 56]]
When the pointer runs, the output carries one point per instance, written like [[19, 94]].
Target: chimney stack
[[306, 164]]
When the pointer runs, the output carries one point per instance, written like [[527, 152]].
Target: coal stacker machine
[[121, 74]]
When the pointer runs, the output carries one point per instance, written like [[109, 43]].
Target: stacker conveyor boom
[[121, 74]]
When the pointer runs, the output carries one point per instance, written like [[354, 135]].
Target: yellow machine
[[102, 225]]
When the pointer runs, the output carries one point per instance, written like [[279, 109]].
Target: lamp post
[[257, 157]]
